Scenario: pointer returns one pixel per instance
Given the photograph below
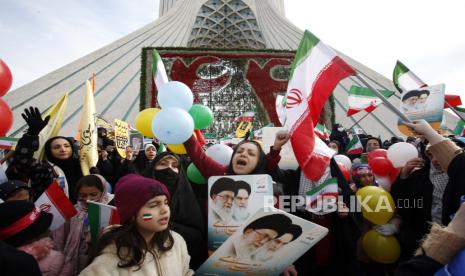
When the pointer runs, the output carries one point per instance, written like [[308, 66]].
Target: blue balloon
[[173, 125], [175, 94]]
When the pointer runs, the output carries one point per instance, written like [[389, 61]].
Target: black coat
[[413, 198], [455, 188], [17, 263]]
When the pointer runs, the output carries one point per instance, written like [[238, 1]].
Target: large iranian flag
[[316, 70], [100, 216], [404, 79], [459, 128], [158, 69], [361, 98]]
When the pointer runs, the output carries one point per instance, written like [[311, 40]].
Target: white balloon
[[400, 153], [173, 125], [175, 94], [344, 160], [220, 153], [384, 182]]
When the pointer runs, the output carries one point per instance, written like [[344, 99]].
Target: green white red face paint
[[146, 217]]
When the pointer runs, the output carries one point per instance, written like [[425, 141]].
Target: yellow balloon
[[377, 204], [143, 121], [382, 249], [178, 149]]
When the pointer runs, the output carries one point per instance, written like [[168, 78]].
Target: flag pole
[[358, 121], [388, 104], [453, 110]]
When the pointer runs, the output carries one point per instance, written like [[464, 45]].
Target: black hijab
[[261, 165], [70, 166]]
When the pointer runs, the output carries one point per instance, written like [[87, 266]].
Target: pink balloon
[[5, 78]]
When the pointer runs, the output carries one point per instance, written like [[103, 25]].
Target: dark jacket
[[413, 198], [17, 263], [455, 188]]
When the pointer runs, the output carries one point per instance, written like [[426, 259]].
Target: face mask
[[168, 177]]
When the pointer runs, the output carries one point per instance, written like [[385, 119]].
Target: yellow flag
[[121, 137], [88, 155], [56, 112]]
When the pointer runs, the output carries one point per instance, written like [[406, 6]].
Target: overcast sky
[[39, 36]]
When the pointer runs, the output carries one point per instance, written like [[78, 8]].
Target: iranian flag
[[321, 131], [158, 69], [362, 98], [404, 79], [316, 70], [327, 189], [280, 106], [354, 146], [100, 216], [245, 117], [55, 202], [8, 143], [460, 125]]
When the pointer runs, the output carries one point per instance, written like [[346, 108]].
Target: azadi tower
[[246, 24]]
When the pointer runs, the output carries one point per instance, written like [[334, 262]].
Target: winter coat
[[51, 262], [174, 262]]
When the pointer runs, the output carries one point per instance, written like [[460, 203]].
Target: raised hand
[[34, 120], [281, 138]]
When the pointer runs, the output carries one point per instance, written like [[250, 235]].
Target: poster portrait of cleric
[[240, 211], [409, 101], [422, 103], [256, 234], [269, 250], [222, 194]]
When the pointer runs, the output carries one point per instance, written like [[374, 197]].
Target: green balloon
[[194, 175], [202, 115]]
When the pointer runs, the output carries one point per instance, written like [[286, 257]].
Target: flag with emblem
[[100, 216], [354, 146], [361, 98], [55, 202], [158, 70], [316, 70]]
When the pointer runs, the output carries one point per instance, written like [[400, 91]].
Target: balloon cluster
[[6, 119], [175, 122], [386, 164]]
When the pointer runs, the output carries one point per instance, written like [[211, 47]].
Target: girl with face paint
[[144, 243], [186, 216]]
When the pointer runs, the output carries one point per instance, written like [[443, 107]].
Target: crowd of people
[[164, 216]]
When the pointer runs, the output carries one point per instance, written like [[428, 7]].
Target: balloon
[[178, 149], [5, 78], [202, 115], [173, 125], [377, 153], [384, 182], [220, 153], [400, 153], [380, 166], [382, 249], [175, 94], [377, 204], [194, 174], [144, 120], [344, 170], [344, 160], [394, 174], [6, 118]]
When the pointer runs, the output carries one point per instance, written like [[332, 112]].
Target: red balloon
[[394, 173], [344, 170], [6, 118], [5, 78], [377, 153], [381, 166]]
